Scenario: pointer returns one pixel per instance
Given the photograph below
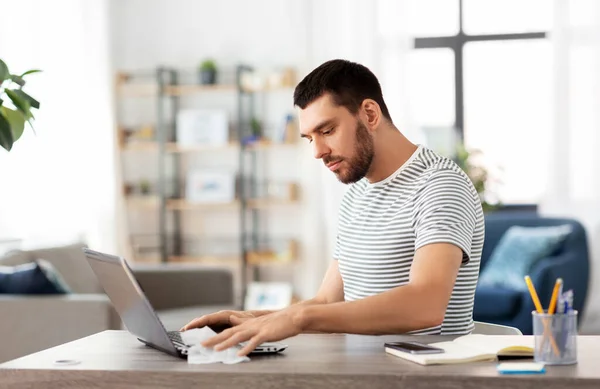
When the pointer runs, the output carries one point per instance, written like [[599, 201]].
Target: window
[[423, 22], [431, 87], [583, 78], [506, 16], [507, 105], [500, 90]]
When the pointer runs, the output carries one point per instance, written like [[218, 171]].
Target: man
[[411, 226]]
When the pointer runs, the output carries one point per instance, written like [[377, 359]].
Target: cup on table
[[562, 327]]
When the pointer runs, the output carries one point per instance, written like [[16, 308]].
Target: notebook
[[473, 348]]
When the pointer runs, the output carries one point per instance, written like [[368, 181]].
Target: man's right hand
[[331, 291], [221, 319]]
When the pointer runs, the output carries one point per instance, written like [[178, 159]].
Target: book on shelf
[[472, 348]]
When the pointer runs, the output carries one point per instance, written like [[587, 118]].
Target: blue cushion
[[54, 276], [517, 251], [492, 302], [38, 277]]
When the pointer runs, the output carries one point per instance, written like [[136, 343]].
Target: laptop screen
[[128, 299]]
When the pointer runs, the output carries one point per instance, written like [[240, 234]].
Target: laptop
[[140, 319]]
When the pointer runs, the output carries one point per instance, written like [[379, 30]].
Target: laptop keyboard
[[175, 337]]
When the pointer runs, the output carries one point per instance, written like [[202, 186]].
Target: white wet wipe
[[198, 354]]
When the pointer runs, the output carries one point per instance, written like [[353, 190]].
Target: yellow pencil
[[540, 310], [557, 285], [534, 296]]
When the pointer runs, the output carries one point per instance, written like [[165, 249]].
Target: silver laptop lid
[[126, 295]]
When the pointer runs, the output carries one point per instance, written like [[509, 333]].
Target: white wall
[[181, 32]]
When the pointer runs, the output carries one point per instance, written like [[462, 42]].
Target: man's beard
[[358, 166]]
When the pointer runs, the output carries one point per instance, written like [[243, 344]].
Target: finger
[[234, 340], [206, 320], [251, 345], [196, 323], [210, 342], [192, 324], [236, 320]]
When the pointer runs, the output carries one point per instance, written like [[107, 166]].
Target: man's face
[[339, 138]]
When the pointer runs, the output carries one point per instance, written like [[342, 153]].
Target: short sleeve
[[336, 250], [446, 211]]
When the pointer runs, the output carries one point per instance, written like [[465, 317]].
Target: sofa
[[31, 323], [571, 262]]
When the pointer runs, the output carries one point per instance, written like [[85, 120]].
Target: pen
[[569, 300], [566, 329], [560, 308]]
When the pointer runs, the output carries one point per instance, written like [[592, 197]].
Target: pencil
[[557, 285], [534, 296], [540, 310]]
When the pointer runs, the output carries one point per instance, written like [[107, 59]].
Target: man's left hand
[[268, 328]]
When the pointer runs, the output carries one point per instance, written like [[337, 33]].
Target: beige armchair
[[32, 323]]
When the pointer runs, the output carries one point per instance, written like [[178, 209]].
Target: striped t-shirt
[[428, 199]]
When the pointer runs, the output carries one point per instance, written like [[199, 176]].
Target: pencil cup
[[555, 338]]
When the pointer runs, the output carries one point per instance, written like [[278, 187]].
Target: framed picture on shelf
[[206, 127], [268, 295], [210, 187]]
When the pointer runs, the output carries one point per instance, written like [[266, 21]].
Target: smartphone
[[414, 347]]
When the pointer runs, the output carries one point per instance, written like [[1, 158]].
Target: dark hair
[[348, 83]]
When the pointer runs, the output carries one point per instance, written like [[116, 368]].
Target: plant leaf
[[6, 138], [4, 73], [16, 121], [20, 103], [17, 80], [32, 102], [32, 128], [30, 72]]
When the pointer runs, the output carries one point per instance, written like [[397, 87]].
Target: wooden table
[[115, 359]]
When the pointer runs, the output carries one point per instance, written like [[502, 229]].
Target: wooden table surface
[[116, 359]]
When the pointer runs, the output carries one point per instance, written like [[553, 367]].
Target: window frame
[[456, 43]]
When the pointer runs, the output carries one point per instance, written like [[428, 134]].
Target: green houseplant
[[208, 72], [478, 174], [15, 106]]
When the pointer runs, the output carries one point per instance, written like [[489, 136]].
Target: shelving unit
[[168, 203], [181, 204], [172, 147]]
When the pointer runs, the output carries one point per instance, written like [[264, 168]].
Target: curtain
[[574, 187], [57, 185]]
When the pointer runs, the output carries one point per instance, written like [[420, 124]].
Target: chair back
[[494, 329]]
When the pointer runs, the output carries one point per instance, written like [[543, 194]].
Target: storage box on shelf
[[284, 253]]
